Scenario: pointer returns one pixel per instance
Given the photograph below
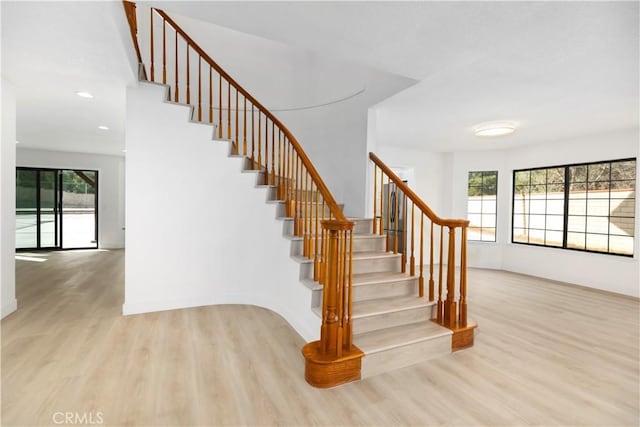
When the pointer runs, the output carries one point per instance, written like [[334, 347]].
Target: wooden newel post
[[334, 359], [336, 313], [450, 312], [331, 329]]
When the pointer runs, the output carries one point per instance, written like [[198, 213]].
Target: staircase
[[376, 316], [391, 323]]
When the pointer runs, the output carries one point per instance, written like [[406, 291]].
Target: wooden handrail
[[414, 197], [451, 308], [315, 176], [130, 12]]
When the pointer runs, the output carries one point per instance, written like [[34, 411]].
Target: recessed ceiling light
[[17, 142], [101, 127], [494, 128], [83, 94], [124, 151]]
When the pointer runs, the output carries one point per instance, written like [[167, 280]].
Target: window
[[538, 206], [481, 206], [588, 207]]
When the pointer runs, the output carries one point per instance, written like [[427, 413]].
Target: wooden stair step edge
[[356, 256]]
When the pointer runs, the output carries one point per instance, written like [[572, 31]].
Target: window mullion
[[609, 210], [567, 189]]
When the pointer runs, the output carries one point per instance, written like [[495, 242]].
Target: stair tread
[[379, 306], [398, 336], [348, 219], [364, 279], [374, 254], [381, 277], [355, 236], [303, 201], [356, 256]]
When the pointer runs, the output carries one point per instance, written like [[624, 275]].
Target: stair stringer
[[197, 232]]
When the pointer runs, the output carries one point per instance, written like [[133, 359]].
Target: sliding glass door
[[27, 208], [56, 208], [79, 213], [49, 221]]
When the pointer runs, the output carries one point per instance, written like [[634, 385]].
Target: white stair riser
[[386, 290], [311, 226], [400, 357], [377, 265], [364, 265], [388, 320], [272, 194], [368, 244], [363, 226], [249, 166], [316, 299], [375, 291]]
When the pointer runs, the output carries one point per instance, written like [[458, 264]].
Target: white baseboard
[[111, 245], [307, 325]]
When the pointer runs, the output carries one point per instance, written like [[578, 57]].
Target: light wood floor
[[545, 354]]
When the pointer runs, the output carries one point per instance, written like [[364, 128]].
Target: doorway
[[56, 209]]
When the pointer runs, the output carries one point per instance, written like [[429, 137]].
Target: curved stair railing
[[193, 77], [389, 191]]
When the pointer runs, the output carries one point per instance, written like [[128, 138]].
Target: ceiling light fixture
[[83, 94], [124, 151], [494, 128], [102, 127], [17, 142]]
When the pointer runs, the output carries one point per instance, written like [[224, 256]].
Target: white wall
[[425, 173], [8, 200], [428, 173], [110, 186], [483, 254], [198, 231], [606, 272]]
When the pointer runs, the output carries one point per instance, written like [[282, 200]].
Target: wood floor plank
[[545, 354]]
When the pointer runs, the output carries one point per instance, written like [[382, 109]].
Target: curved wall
[[198, 231]]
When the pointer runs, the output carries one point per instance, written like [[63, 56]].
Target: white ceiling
[[50, 50], [559, 69]]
